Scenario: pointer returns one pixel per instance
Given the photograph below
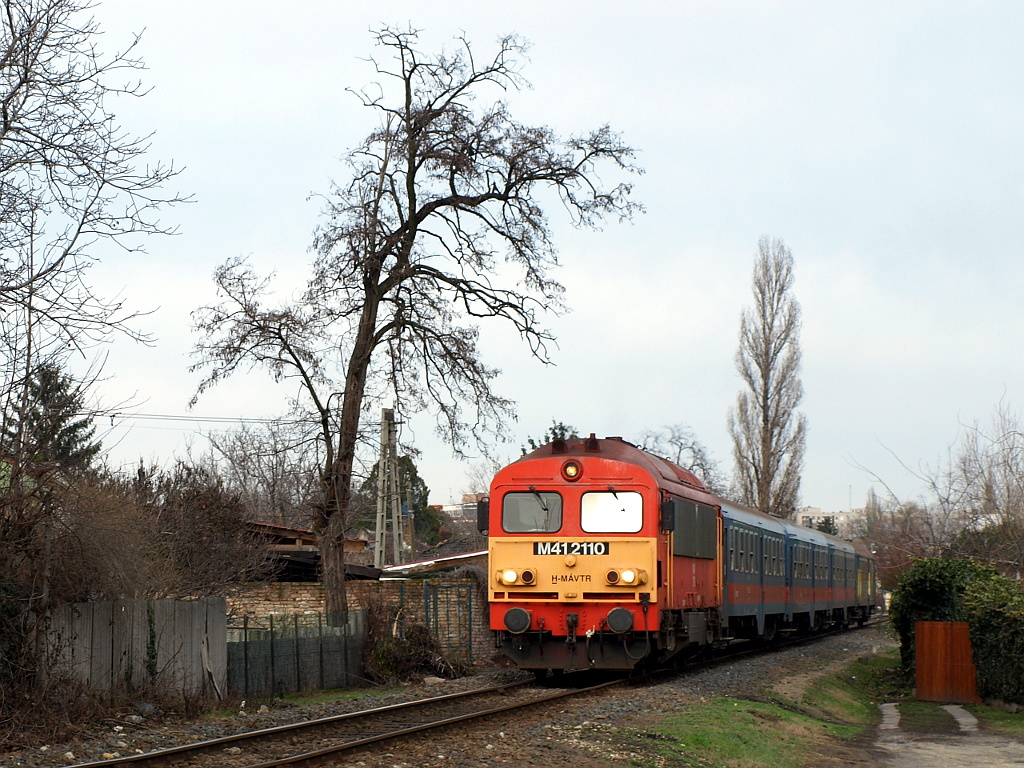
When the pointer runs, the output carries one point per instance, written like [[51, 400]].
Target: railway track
[[316, 742]]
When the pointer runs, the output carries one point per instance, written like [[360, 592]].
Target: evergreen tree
[[50, 424], [558, 429], [828, 525]]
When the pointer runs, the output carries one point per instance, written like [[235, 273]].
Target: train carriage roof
[[752, 517], [757, 519]]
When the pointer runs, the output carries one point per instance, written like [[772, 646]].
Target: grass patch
[[836, 712], [998, 720], [926, 717], [310, 698], [852, 695], [746, 734]]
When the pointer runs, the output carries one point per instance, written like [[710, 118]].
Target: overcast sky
[[880, 141]]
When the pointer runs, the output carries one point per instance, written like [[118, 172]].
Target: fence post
[[273, 666], [320, 646], [245, 654], [469, 602], [298, 675], [348, 650]]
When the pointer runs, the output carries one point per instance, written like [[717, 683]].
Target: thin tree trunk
[[332, 559], [339, 480]]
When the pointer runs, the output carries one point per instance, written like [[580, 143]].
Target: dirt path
[[966, 749]]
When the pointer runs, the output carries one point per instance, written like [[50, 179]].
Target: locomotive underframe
[[681, 632]]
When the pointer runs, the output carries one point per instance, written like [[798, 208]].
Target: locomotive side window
[[531, 512], [612, 512]]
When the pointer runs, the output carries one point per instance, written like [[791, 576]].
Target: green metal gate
[[449, 617]]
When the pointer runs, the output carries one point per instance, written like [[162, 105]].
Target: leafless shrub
[[397, 650]]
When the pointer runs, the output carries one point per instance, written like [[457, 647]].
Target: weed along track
[[317, 742]]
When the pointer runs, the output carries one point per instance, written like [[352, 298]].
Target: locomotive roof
[[616, 449]]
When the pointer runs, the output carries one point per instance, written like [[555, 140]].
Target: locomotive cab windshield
[[531, 512], [611, 512]]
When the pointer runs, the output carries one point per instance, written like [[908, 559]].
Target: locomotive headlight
[[572, 471], [507, 576], [627, 577]]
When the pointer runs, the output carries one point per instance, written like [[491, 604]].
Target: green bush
[[995, 610], [932, 590], [942, 589]]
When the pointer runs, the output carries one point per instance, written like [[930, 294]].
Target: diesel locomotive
[[604, 556]]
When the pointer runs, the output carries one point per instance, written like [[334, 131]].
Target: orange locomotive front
[[588, 568]]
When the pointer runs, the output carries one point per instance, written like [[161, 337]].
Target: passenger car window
[[531, 512], [612, 512]]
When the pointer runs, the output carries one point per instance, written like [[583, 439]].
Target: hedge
[[944, 589]]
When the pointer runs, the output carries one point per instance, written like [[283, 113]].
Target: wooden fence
[[129, 645]]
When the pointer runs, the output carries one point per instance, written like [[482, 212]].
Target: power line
[[201, 419]]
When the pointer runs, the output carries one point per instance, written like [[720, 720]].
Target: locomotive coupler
[[571, 621]]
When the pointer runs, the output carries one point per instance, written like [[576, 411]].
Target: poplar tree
[[769, 435]]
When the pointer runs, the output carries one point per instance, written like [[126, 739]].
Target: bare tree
[[901, 531], [972, 505], [408, 259], [272, 467], [71, 182], [479, 475], [979, 492], [200, 527], [678, 444], [767, 432], [70, 177]]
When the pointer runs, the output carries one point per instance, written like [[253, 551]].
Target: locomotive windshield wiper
[[540, 499], [544, 506], [611, 490]]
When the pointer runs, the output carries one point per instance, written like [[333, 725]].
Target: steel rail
[[321, 755], [164, 755]]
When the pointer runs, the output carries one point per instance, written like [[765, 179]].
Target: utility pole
[[388, 497], [412, 520]]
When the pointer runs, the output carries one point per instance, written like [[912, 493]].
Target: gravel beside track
[[596, 730]]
